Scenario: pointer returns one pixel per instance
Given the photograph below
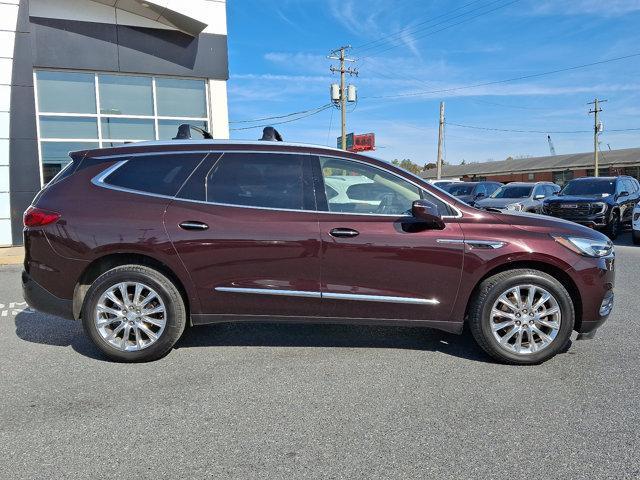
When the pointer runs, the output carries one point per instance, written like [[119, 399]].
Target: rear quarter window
[[156, 174]]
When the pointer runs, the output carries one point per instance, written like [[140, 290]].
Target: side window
[[158, 174], [480, 189], [492, 187], [539, 190], [629, 186], [365, 189], [268, 180]]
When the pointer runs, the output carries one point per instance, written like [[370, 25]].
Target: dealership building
[[557, 168], [78, 74]]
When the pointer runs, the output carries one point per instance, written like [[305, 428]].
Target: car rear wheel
[[133, 313], [636, 237], [522, 316], [613, 228]]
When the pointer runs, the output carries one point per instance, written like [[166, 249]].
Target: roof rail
[[184, 132]]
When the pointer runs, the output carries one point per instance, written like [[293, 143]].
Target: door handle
[[344, 233], [191, 225]]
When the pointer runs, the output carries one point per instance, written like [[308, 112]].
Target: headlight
[[515, 206], [598, 208], [586, 246]]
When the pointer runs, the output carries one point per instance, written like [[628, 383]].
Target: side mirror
[[538, 197], [481, 195], [427, 212], [623, 194]]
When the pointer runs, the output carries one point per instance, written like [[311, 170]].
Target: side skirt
[[207, 319]]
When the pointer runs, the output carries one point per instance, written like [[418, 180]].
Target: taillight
[[37, 217]]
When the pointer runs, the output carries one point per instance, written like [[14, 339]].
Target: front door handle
[[344, 233], [191, 225]]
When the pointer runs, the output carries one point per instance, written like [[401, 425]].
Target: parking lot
[[306, 401]]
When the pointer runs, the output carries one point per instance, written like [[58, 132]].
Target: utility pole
[[440, 142], [597, 128], [340, 54]]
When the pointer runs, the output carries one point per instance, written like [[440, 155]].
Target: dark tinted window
[[457, 189], [268, 180], [590, 187], [159, 174]]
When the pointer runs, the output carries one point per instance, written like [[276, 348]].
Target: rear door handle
[[344, 233], [191, 225]]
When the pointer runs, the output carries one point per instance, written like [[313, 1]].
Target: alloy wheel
[[525, 319], [130, 316]]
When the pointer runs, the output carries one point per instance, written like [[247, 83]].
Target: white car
[[635, 222]]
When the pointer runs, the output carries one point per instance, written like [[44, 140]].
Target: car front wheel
[[613, 228], [636, 237], [133, 313], [522, 316]]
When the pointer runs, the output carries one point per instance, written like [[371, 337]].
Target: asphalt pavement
[[307, 401]]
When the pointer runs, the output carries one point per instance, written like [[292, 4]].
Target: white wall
[[8, 19], [218, 111]]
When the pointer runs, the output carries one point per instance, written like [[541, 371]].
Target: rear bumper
[[39, 298]]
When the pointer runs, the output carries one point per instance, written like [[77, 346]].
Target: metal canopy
[[159, 12]]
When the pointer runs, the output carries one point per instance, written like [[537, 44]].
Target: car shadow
[[49, 330]]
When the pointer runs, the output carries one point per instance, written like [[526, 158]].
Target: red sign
[[363, 142]]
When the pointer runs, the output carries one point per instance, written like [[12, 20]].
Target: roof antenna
[[184, 132], [270, 134]]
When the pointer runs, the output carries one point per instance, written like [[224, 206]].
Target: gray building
[[78, 74]]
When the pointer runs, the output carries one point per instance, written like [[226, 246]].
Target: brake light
[[37, 217]]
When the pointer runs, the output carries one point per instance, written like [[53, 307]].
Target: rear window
[[595, 187], [157, 174], [459, 189], [512, 191]]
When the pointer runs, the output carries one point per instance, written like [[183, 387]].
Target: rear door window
[[264, 180], [156, 174]]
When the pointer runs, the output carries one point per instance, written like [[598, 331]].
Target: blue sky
[[278, 65]]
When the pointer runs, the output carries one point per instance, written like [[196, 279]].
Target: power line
[[314, 112], [513, 130], [276, 117], [508, 80]]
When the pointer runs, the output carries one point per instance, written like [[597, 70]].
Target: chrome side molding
[[484, 244], [331, 296]]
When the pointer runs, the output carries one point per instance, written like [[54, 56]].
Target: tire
[[613, 227], [481, 318], [165, 317], [636, 237]]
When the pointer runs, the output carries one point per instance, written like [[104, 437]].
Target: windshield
[[459, 189], [590, 187], [513, 191]]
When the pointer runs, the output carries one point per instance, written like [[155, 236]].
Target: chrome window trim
[[98, 180], [329, 295]]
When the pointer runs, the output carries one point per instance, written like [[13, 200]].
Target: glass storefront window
[[68, 127], [181, 98], [127, 129], [125, 95], [106, 110], [68, 92]]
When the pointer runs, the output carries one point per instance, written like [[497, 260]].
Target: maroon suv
[[140, 240]]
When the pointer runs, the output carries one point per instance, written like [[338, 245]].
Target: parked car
[[138, 241], [604, 203], [471, 192], [636, 224], [442, 183], [519, 197]]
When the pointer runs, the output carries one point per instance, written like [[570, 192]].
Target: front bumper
[[595, 283], [592, 221], [39, 298]]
